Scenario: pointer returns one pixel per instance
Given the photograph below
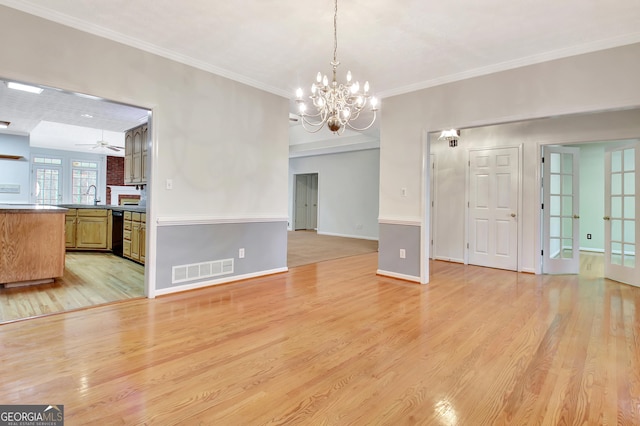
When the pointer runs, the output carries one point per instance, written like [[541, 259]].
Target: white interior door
[[621, 204], [560, 177], [301, 205], [493, 208]]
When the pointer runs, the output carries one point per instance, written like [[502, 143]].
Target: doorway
[[306, 202], [603, 219]]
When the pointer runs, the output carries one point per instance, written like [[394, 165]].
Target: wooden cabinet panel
[[91, 232], [135, 157], [88, 229], [134, 235]]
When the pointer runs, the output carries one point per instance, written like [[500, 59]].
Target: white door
[[621, 204], [560, 177], [493, 208], [301, 205]]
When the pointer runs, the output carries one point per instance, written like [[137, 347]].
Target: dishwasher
[[116, 234]]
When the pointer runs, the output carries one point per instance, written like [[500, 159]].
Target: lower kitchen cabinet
[[88, 229], [134, 234]]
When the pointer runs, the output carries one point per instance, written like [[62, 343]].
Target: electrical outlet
[[241, 253], [403, 254], [169, 184], [588, 236], [403, 192]]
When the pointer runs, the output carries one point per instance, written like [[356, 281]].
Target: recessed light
[[24, 87], [87, 116], [4, 124]]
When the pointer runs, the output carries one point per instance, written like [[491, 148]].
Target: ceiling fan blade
[[113, 148], [85, 144]]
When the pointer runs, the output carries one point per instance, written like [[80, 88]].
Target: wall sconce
[[451, 135]]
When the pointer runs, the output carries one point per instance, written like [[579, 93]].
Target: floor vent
[[196, 271]]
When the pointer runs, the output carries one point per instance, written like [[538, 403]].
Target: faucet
[[95, 194]]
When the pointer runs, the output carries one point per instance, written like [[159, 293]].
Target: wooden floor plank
[[333, 343]]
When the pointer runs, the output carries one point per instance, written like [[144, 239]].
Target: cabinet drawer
[[93, 212], [126, 248], [126, 225], [135, 216], [127, 215], [71, 212], [126, 235], [143, 218]]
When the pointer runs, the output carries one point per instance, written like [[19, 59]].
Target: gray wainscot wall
[[395, 237], [195, 246]]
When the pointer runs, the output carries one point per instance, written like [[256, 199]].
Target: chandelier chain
[[335, 32]]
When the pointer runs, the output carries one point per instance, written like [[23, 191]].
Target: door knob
[[575, 216], [606, 218], [513, 215]]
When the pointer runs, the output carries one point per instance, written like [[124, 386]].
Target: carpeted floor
[[308, 247]]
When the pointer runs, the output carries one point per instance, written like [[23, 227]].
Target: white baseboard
[[399, 276], [449, 259], [202, 284], [360, 237]]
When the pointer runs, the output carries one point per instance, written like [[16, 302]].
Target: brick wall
[[115, 172]]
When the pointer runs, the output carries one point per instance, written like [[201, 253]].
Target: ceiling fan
[[101, 144]]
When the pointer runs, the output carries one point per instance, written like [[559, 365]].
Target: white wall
[[348, 188], [451, 165], [15, 172], [222, 143], [577, 84]]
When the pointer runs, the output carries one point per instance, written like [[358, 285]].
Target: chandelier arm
[[318, 126], [363, 128]]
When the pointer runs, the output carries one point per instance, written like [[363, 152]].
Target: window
[[84, 175], [48, 175]]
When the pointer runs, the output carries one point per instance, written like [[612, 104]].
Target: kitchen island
[[32, 244]]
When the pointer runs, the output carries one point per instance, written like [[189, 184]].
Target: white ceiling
[[399, 46]]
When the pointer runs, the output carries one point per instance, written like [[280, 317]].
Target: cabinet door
[[143, 241], [128, 157], [145, 155], [136, 162], [91, 232], [70, 232], [135, 240]]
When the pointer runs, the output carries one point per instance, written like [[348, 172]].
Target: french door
[[621, 207], [561, 248]]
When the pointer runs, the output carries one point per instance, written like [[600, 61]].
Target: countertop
[[31, 208], [107, 207]]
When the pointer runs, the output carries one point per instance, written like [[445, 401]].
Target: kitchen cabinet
[[88, 229], [32, 244], [134, 234], [135, 155]]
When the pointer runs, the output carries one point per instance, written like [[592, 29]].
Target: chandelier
[[336, 104]]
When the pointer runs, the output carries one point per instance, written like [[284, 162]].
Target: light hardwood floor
[[333, 343], [305, 247], [89, 279]]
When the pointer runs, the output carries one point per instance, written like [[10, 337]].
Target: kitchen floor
[[89, 279]]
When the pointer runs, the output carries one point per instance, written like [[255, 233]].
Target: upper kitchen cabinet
[[135, 155]]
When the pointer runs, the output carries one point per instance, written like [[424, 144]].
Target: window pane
[[554, 208], [630, 256], [555, 162], [567, 249], [554, 223], [616, 184], [629, 159], [616, 207], [616, 230], [616, 161], [555, 184], [629, 207], [616, 253], [554, 248], [567, 206], [630, 231], [567, 184], [567, 163], [567, 227], [629, 183]]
